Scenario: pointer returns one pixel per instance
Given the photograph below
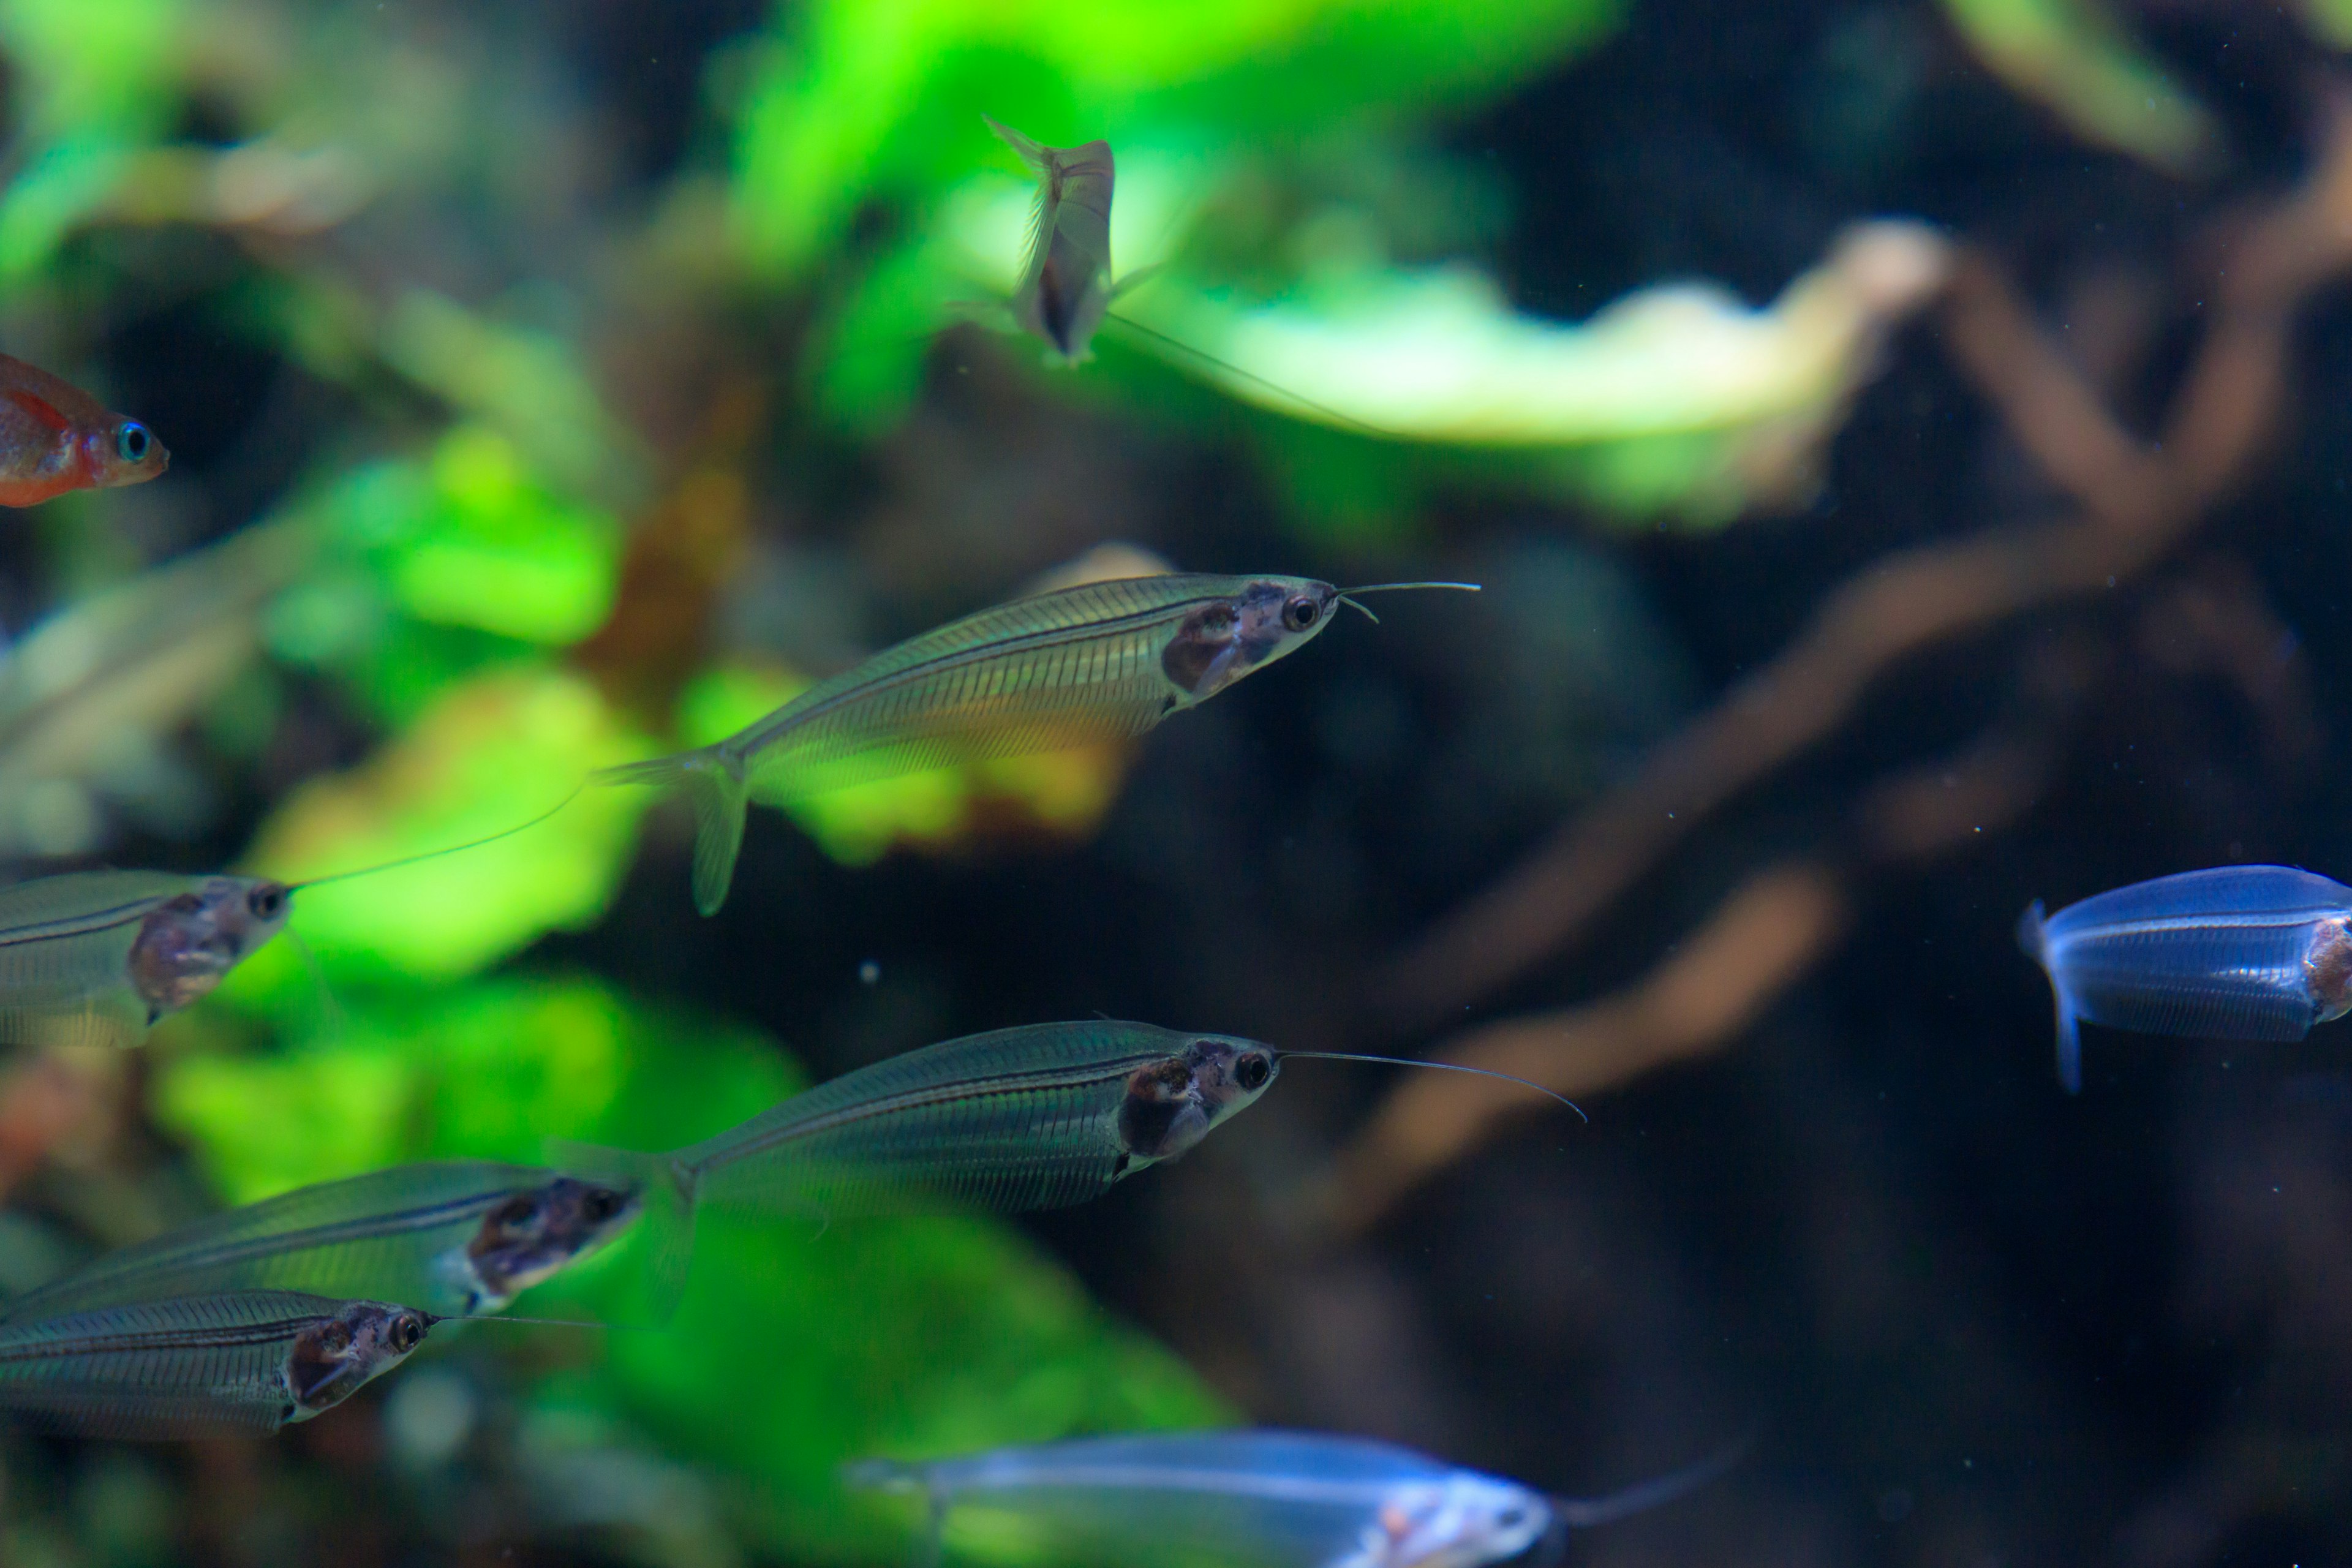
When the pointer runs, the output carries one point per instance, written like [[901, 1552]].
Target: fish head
[[1221, 640], [1172, 1104], [186, 944], [119, 451], [337, 1354], [535, 1232], [1462, 1521]]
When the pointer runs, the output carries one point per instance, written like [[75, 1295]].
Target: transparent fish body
[[100, 956], [2237, 953], [1038, 1117], [1268, 1499], [1066, 288], [55, 438], [237, 1364], [456, 1238], [1098, 662]]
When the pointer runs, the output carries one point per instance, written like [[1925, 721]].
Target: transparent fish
[[55, 438], [1065, 285], [1259, 1500], [1042, 1115], [456, 1238], [102, 956], [2237, 953], [1065, 291], [1038, 1117], [237, 1364], [1098, 662]]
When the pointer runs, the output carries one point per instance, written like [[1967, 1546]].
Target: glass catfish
[[1097, 662], [55, 438], [1258, 1499], [2236, 953], [102, 956], [457, 1238], [237, 1364], [1065, 287], [1042, 1115]]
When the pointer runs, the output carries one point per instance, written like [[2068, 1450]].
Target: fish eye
[[599, 1204], [1301, 613], [131, 441], [1252, 1071], [1511, 1516], [266, 900], [407, 1333]]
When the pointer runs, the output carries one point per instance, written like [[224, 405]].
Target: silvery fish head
[[186, 944], [1172, 1104], [1463, 1521], [536, 1233], [335, 1357], [1222, 641]]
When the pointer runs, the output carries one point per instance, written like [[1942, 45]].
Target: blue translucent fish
[[1259, 1500], [2237, 953]]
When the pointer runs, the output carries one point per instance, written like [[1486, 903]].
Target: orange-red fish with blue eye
[[55, 438]]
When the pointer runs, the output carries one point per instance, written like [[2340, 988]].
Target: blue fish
[[2237, 953], [1263, 1500]]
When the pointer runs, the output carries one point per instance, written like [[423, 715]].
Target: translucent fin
[[2033, 936], [656, 1252], [115, 1019], [713, 780], [2070, 1043]]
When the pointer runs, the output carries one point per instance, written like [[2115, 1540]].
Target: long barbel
[[456, 1238], [236, 1365], [1101, 661]]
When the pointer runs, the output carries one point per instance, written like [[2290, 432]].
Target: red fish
[[55, 438]]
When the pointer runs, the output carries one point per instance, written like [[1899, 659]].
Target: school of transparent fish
[[274, 1312]]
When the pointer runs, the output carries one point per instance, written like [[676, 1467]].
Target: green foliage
[[860, 100], [95, 83], [492, 754], [441, 567], [2071, 55]]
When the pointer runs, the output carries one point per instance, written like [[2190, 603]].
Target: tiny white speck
[[869, 972]]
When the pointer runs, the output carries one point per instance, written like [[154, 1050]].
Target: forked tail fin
[[714, 781], [661, 1242]]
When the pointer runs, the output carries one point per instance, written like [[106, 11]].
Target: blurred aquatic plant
[[854, 102], [1678, 400], [92, 698], [492, 753], [97, 82], [2070, 56]]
